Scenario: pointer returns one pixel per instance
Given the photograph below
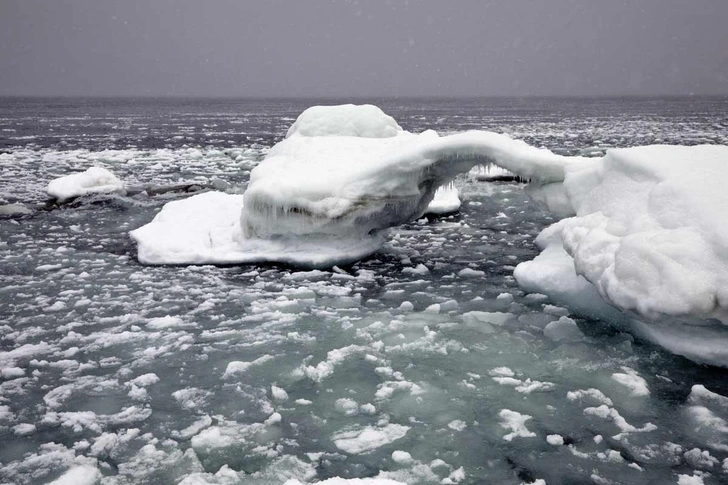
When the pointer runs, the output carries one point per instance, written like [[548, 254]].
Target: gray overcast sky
[[365, 48]]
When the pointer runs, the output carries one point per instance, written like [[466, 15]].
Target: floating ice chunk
[[333, 358], [705, 418], [163, 323], [516, 422], [471, 273], [14, 210], [590, 393], [237, 367], [493, 318], [200, 229], [633, 381], [606, 412], [434, 308], [347, 406], [690, 480], [563, 329], [95, 180], [79, 475], [406, 306], [401, 457], [698, 458], [278, 393], [456, 476], [445, 201], [419, 269], [555, 439], [12, 372], [525, 387], [457, 425], [501, 371], [358, 439], [193, 429], [6, 415], [24, 429], [700, 395], [145, 380], [646, 237], [274, 418]]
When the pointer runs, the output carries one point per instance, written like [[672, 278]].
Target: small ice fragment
[[555, 439], [563, 329], [636, 384], [516, 422], [401, 457], [278, 393], [457, 425], [470, 273]]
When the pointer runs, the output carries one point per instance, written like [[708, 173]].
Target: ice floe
[[95, 180], [329, 192]]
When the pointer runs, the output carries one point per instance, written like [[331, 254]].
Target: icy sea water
[[256, 374]]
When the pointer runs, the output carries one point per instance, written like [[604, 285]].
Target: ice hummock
[[95, 180], [328, 193]]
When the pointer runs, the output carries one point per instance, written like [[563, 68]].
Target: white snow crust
[[364, 121], [95, 180]]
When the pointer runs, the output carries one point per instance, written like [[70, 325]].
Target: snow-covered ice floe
[[647, 242], [328, 193], [649, 238], [95, 180]]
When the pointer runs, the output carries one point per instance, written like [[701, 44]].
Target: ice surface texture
[[329, 192]]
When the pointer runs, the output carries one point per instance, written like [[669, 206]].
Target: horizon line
[[360, 97]]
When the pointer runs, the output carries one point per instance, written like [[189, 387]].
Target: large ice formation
[[95, 180], [328, 193], [647, 239]]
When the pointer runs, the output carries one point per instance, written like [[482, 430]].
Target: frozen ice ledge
[[645, 232]]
